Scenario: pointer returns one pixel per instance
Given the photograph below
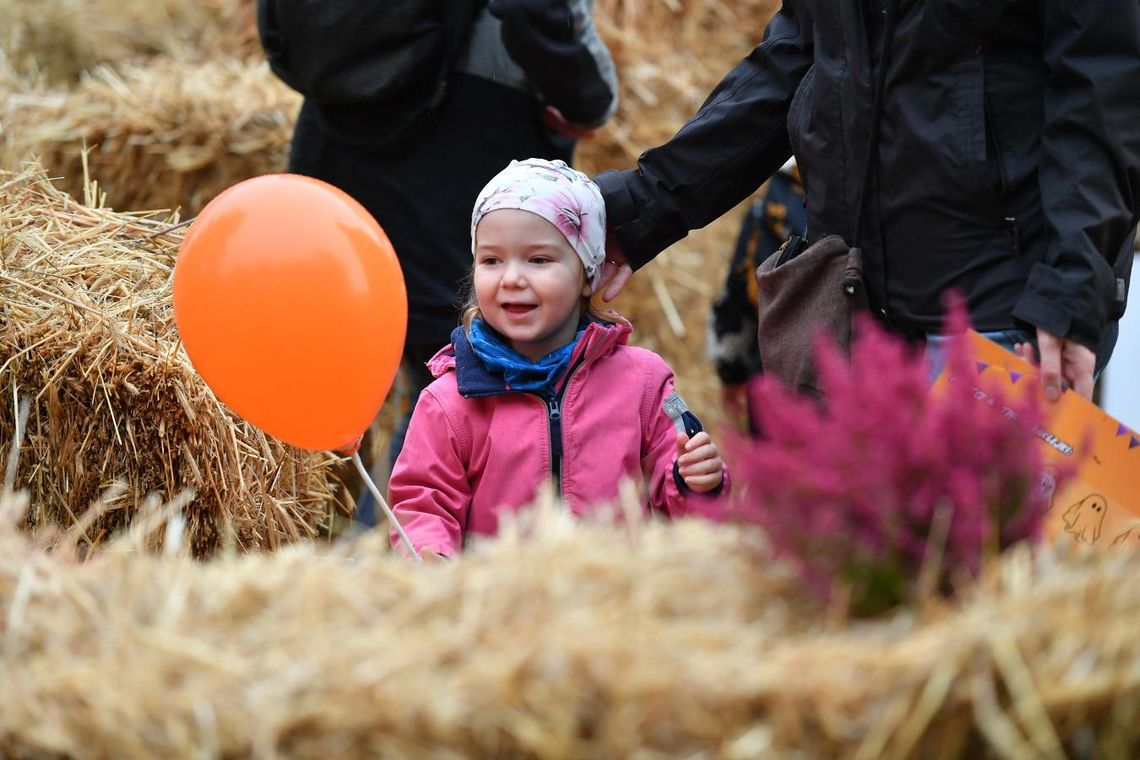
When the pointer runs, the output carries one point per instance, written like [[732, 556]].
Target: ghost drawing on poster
[[1084, 520]]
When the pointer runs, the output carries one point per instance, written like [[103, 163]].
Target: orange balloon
[[291, 305]]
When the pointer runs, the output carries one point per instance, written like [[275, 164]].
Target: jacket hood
[[473, 379]]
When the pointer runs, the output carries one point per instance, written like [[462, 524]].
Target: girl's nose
[[513, 273]]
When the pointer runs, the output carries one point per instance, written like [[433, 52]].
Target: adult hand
[[699, 462], [616, 271], [1064, 364], [554, 119]]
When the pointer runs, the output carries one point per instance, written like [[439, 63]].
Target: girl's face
[[529, 282]]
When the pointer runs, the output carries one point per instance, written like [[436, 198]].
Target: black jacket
[[1008, 164]]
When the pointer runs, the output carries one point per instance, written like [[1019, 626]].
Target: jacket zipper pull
[[554, 416], [554, 413]]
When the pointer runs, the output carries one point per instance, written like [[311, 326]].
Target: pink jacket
[[465, 461]]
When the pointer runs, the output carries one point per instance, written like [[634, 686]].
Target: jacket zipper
[[553, 404], [554, 420], [1009, 223], [993, 144]]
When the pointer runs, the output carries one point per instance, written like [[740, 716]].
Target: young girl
[[535, 385]]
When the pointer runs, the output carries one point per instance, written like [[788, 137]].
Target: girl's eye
[[540, 260], [488, 261]]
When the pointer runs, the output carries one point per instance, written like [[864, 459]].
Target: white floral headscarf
[[565, 197]]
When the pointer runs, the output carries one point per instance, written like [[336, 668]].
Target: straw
[[562, 638], [87, 336], [158, 134], [62, 39]]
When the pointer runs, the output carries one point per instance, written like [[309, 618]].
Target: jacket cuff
[[621, 211], [688, 493], [1047, 302]]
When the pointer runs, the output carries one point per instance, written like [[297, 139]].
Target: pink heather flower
[[849, 488]]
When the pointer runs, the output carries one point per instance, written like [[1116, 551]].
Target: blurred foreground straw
[[583, 640]]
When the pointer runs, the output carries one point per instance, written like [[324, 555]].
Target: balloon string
[[383, 504]]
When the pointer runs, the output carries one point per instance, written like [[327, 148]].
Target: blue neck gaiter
[[519, 372]]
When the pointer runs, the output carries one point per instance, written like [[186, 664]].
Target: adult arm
[[1089, 176], [737, 139], [429, 491], [556, 44]]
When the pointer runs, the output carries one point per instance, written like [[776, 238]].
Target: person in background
[[1007, 165], [537, 386], [768, 224], [534, 77]]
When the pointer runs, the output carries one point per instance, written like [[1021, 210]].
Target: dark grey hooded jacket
[[1008, 164]]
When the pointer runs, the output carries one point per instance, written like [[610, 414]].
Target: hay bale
[[62, 39], [161, 135], [669, 55], [681, 640], [87, 333]]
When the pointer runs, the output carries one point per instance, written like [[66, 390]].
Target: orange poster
[[1098, 506]]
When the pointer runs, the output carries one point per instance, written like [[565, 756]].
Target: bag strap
[[876, 118]]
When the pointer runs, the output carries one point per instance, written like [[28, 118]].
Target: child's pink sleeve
[[429, 490]]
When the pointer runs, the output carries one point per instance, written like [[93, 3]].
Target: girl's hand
[[431, 557], [699, 462]]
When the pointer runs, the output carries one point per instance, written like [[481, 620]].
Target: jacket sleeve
[[1090, 166], [557, 45], [737, 139], [428, 489], [667, 494]]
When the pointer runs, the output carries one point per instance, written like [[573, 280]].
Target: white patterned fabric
[[565, 197]]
